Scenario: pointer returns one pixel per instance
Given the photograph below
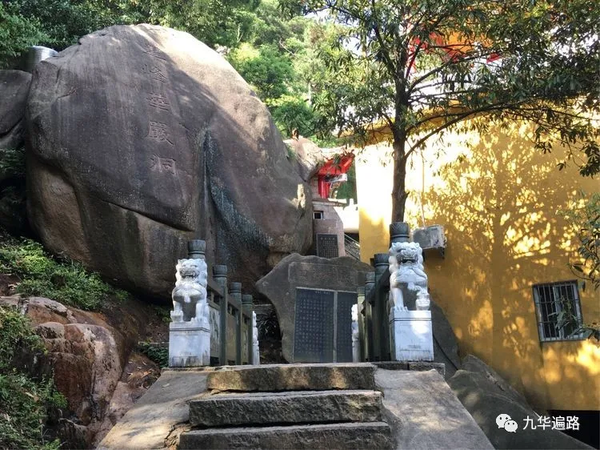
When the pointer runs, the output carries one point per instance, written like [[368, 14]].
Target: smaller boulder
[[307, 156], [487, 396], [14, 88], [280, 286]]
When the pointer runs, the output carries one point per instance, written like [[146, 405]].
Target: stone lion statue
[[406, 266], [189, 295]]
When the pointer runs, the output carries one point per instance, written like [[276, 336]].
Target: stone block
[[293, 377], [189, 345], [286, 408], [374, 435], [412, 335], [297, 274]]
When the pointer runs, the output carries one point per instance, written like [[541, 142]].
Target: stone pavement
[[420, 408]]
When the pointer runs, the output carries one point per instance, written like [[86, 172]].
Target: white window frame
[[547, 304]]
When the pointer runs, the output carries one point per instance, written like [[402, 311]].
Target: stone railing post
[[369, 285], [247, 308], [235, 291], [362, 323], [220, 276], [196, 249], [380, 335]]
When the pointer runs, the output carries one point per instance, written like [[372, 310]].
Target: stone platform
[[354, 406]]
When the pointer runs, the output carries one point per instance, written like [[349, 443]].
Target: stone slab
[[327, 245], [308, 272], [293, 377], [420, 366], [425, 414], [286, 408], [375, 435], [313, 335], [149, 423]]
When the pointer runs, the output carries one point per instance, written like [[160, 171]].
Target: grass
[[59, 279], [25, 402]]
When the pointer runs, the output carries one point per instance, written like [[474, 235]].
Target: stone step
[[293, 377], [286, 408], [373, 435]]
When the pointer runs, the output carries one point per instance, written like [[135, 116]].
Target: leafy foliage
[[12, 162], [585, 220], [157, 353], [422, 67], [17, 32], [61, 280], [24, 402], [59, 23]]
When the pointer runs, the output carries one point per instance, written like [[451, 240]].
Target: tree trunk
[[399, 194]]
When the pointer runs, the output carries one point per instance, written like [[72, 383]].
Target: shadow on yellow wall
[[501, 211], [499, 202]]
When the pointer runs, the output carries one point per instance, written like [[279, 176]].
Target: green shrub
[[62, 280], [156, 353], [24, 401]]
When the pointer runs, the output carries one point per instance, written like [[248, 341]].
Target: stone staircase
[[289, 406]]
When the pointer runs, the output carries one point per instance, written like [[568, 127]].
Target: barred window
[[558, 311]]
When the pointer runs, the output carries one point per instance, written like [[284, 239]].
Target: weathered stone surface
[[149, 424], [141, 138], [14, 88], [419, 366], [294, 271], [87, 356], [375, 435], [424, 413], [307, 155], [293, 377], [486, 395], [445, 345], [473, 364], [286, 408]]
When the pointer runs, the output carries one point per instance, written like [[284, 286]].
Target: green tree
[[60, 23], [16, 33], [422, 67]]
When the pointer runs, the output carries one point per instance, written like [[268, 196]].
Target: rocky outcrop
[[306, 155], [445, 345], [87, 358], [14, 88], [141, 138], [297, 271], [486, 396]]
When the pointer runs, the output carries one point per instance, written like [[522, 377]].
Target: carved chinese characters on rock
[[155, 72], [160, 107], [159, 132], [154, 52], [162, 165], [159, 101]]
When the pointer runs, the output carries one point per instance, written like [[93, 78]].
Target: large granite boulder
[[295, 272], [14, 88], [486, 396], [141, 138]]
